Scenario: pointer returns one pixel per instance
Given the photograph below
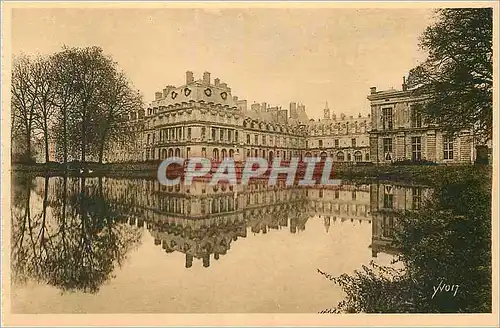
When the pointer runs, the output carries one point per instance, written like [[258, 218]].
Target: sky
[[279, 55]]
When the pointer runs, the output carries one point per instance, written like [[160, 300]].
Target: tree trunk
[[101, 152], [84, 139], [46, 139], [65, 137], [101, 146], [28, 146]]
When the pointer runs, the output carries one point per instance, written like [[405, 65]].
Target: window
[[189, 133], [256, 139], [336, 142], [387, 145], [353, 195], [203, 152], [387, 226], [203, 206], [353, 142], [349, 157], [321, 193], [416, 148], [263, 140], [307, 144], [416, 117], [387, 118], [248, 139], [149, 137], [367, 156], [236, 136], [229, 135], [388, 198], [358, 157], [336, 194], [213, 134], [188, 151], [203, 132], [320, 143], [221, 135], [340, 156], [448, 147]]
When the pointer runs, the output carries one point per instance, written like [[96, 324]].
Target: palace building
[[399, 132], [203, 118]]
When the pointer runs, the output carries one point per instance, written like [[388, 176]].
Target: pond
[[110, 245]]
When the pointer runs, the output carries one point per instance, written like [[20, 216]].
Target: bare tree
[[118, 102], [44, 104], [78, 98], [25, 90], [92, 72], [64, 98]]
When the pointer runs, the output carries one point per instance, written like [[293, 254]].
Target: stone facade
[[399, 133], [201, 118], [130, 148]]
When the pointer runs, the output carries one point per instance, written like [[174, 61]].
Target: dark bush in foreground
[[447, 242]]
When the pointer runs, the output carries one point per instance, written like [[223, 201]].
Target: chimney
[[405, 87], [167, 90], [206, 78], [189, 77], [373, 90], [158, 95], [217, 82], [293, 110]]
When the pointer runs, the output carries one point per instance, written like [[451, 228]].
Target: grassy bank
[[419, 173]]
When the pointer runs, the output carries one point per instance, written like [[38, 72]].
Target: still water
[[108, 245]]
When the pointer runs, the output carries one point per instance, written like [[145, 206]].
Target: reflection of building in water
[[345, 202], [386, 201], [201, 221]]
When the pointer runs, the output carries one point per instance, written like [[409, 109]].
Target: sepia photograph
[[251, 162]]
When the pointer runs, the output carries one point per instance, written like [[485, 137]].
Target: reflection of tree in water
[[74, 240]]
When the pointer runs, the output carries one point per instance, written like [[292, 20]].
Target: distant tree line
[[77, 100]]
